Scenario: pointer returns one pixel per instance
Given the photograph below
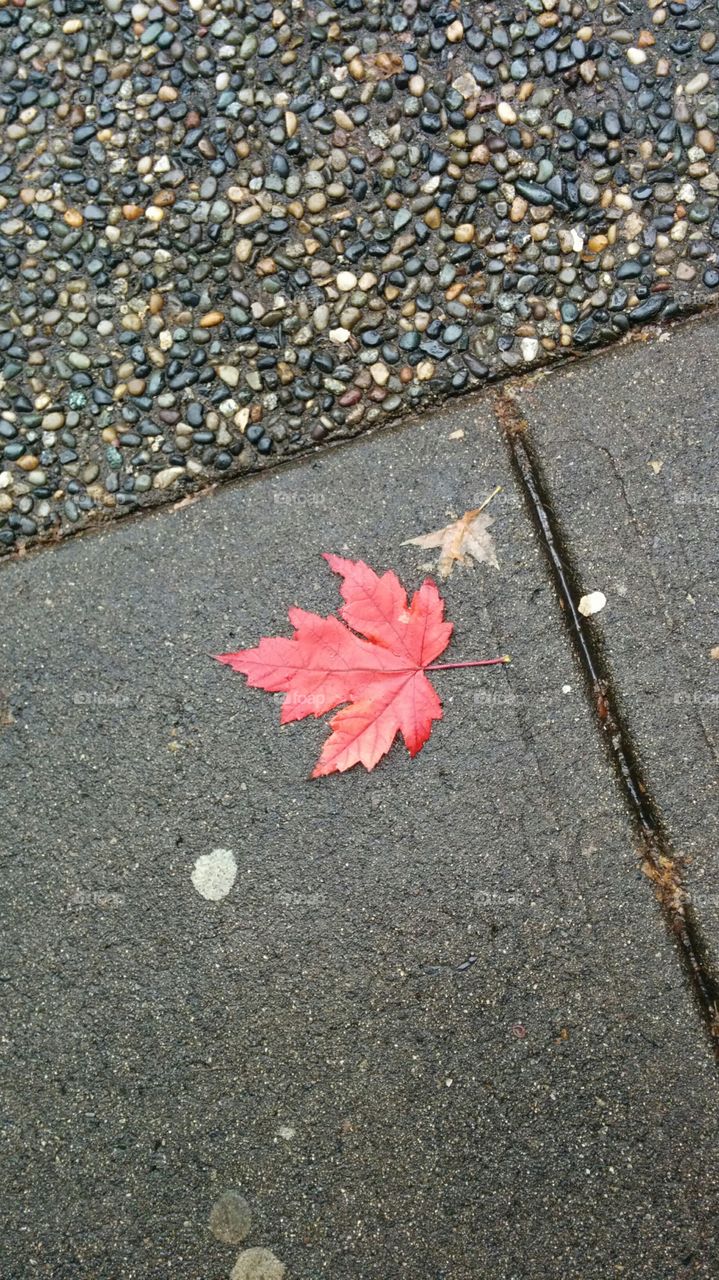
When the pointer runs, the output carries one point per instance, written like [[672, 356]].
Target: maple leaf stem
[[487, 501], [481, 662]]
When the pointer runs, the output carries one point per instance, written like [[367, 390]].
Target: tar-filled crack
[[659, 863]]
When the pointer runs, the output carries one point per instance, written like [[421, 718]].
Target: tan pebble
[[356, 69], [455, 31], [636, 56], [346, 281], [663, 67], [433, 218], [707, 40], [154, 213], [157, 302], [646, 39], [212, 318], [316, 202], [518, 209], [109, 435], [697, 83], [163, 479], [5, 502], [464, 232], [290, 124], [28, 462], [136, 386], [73, 218], [707, 141], [251, 214]]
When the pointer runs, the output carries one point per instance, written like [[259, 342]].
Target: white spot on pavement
[[231, 1218], [286, 1132], [257, 1264], [592, 603], [214, 874]]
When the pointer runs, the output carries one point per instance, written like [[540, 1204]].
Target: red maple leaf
[[379, 672]]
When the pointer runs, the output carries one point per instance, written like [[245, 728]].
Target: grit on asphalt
[[230, 231]]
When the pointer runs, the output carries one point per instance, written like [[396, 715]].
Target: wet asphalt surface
[[633, 483], [436, 1027]]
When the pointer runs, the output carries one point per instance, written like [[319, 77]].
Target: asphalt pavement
[[428, 1021]]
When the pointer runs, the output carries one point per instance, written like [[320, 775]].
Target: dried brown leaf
[[463, 541]]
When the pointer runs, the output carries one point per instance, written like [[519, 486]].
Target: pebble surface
[[230, 231]]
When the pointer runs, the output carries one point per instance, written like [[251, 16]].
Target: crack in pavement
[[659, 863]]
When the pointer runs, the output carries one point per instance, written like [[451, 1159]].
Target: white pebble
[[592, 603], [346, 281]]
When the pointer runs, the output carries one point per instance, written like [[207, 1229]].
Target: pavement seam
[[659, 863]]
